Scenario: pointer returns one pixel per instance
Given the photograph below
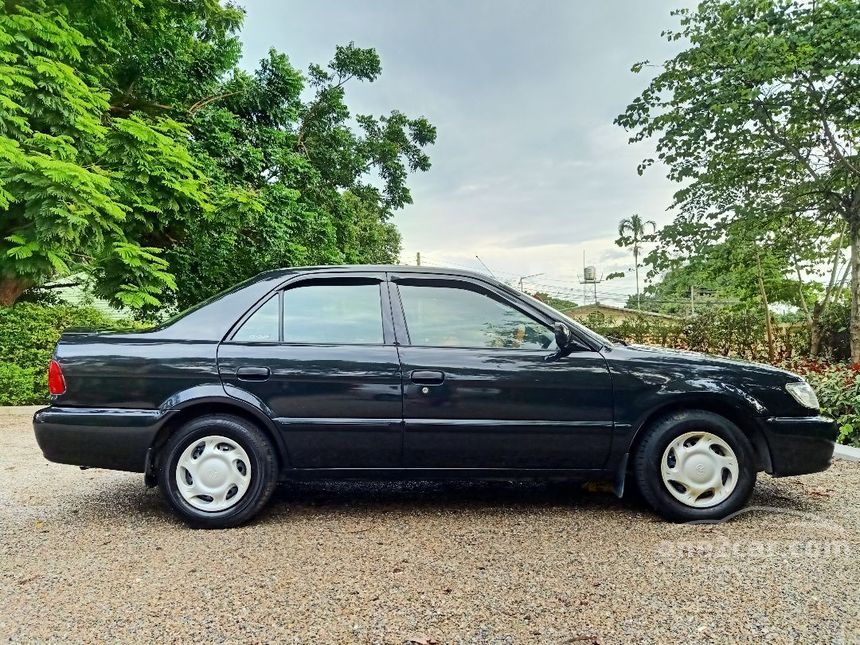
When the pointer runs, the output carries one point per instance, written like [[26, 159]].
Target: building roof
[[612, 311]]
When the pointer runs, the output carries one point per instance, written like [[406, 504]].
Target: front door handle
[[253, 373], [427, 377]]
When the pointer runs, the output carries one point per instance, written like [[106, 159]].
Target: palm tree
[[631, 232]]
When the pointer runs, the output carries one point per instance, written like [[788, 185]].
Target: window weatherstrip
[[281, 317]]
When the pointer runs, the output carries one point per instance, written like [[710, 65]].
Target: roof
[[393, 268], [623, 310]]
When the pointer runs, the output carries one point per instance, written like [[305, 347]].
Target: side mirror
[[565, 341], [562, 335]]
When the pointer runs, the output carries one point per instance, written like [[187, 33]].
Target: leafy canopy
[[757, 119], [134, 150]]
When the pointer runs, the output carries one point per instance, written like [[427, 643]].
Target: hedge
[[725, 332], [28, 334], [838, 388]]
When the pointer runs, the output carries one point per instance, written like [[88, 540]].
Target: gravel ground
[[94, 555]]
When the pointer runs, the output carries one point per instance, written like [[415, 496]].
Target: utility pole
[[418, 258], [692, 300]]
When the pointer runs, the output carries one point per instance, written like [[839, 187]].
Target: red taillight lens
[[56, 382]]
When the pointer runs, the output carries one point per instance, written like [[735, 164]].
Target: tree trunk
[[636, 271], [854, 328], [771, 354], [813, 325], [11, 289], [814, 340]]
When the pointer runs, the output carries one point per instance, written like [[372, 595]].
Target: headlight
[[803, 394]]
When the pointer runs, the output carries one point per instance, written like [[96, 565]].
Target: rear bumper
[[117, 439], [800, 445]]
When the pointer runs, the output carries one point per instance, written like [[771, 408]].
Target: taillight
[[56, 382]]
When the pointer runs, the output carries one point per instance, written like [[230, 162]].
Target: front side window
[[439, 316], [333, 314]]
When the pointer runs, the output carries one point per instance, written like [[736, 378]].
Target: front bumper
[[799, 445], [117, 439]]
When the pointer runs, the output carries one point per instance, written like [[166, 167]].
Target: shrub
[[18, 385], [28, 334], [838, 388]]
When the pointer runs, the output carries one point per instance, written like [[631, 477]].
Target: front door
[[320, 356], [479, 392]]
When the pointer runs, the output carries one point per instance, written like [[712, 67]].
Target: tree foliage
[[134, 149], [758, 120]]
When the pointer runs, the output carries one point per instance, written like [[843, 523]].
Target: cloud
[[528, 171]]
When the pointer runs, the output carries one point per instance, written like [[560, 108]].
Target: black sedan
[[412, 372]]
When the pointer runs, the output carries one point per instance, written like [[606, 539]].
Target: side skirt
[[304, 474]]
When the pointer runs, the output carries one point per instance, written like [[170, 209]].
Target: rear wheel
[[695, 465], [217, 471]]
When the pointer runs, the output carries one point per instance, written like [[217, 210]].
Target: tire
[[695, 466], [222, 455]]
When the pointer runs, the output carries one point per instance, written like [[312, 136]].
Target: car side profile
[[415, 372]]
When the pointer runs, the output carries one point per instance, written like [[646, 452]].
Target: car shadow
[[321, 498], [128, 498]]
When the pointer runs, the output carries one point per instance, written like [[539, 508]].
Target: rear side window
[[319, 314], [262, 326], [333, 314], [438, 316]]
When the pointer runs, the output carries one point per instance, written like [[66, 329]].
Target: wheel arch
[[738, 413], [194, 408]]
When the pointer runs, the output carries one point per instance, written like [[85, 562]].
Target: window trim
[[295, 282], [457, 282]]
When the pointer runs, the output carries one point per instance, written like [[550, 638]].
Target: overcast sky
[[528, 170]]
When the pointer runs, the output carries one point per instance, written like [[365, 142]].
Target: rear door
[[320, 356], [479, 390]]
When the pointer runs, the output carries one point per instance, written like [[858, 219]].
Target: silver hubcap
[[699, 469], [213, 473]]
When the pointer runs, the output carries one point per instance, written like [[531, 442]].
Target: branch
[[803, 304], [828, 292], [768, 124], [828, 133], [341, 81], [128, 107], [202, 103]]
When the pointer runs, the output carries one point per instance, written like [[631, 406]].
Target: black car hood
[[699, 358]]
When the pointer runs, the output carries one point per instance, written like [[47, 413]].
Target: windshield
[[585, 331]]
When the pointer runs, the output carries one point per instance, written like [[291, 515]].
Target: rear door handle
[[253, 373], [427, 377]]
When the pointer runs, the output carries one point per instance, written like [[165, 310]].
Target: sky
[[529, 172]]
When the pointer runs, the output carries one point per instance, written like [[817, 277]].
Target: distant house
[[79, 294], [612, 314]]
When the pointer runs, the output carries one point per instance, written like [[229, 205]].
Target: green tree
[[69, 182], [751, 262], [631, 233], [136, 151], [758, 118]]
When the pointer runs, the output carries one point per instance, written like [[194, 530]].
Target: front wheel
[[217, 471], [695, 465]]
